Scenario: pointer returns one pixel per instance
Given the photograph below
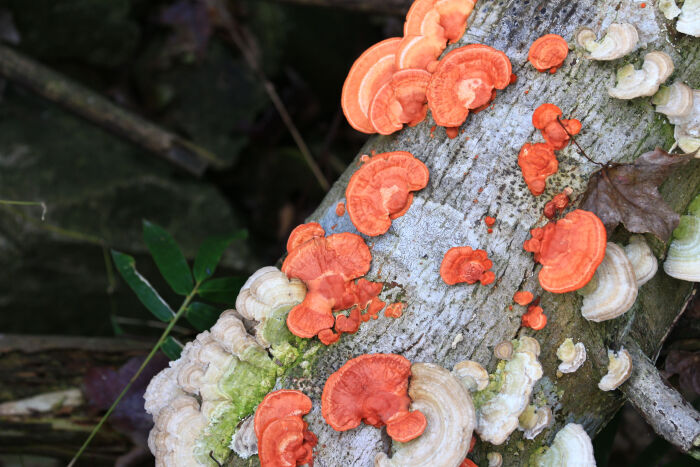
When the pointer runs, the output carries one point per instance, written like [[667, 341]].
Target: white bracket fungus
[[674, 101], [534, 420], [175, 433], [643, 261], [449, 411], [245, 443], [619, 40], [687, 130], [612, 290], [472, 375], [571, 356], [619, 369], [689, 19], [669, 8], [508, 393], [503, 351], [495, 459], [631, 83], [683, 258], [572, 447]]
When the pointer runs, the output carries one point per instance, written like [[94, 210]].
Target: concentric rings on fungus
[[548, 52], [537, 161], [401, 100], [462, 264]]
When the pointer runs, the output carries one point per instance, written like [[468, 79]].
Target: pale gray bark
[[475, 175]]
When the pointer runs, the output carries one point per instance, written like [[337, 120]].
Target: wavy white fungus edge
[[508, 394], [619, 369], [175, 433], [451, 418], [687, 131], [641, 257], [669, 8], [572, 355], [472, 375], [689, 19], [674, 101], [683, 258], [620, 39], [631, 83], [245, 443], [571, 447], [612, 290], [534, 420]]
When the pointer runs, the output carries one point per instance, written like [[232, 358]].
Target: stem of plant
[[27, 203], [576, 143], [163, 336]]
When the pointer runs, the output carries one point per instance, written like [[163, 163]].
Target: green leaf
[[126, 265], [168, 257], [223, 290], [210, 252], [201, 315], [171, 348]]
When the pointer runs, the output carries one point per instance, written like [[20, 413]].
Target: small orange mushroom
[[557, 204], [546, 118], [548, 52], [489, 221], [569, 250], [462, 264], [423, 19], [522, 297], [453, 17], [394, 310], [340, 209], [537, 162], [464, 81], [380, 190], [368, 74], [419, 51], [303, 233], [373, 389], [280, 404], [401, 100], [534, 318]]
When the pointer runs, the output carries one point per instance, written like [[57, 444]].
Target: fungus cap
[[620, 39], [522, 297], [503, 350], [280, 404], [462, 264], [537, 162], [450, 416], [548, 52], [683, 257], [418, 51], [689, 19], [569, 250], [380, 190], [369, 73], [534, 318], [571, 446], [631, 83], [423, 19], [674, 101], [245, 442], [572, 355], [619, 370], [371, 388], [641, 257], [556, 132], [267, 290], [286, 442], [613, 289], [669, 8], [453, 17], [472, 375], [687, 131], [495, 459], [400, 101], [534, 420], [298, 236]]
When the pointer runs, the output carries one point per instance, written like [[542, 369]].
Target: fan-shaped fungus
[[372, 389], [450, 418], [534, 318], [301, 234], [419, 51], [503, 350], [464, 80], [571, 355], [453, 17], [619, 370], [369, 73], [674, 101], [472, 375], [174, 435], [545, 119], [572, 447], [534, 420], [462, 264], [687, 130], [569, 250], [557, 204], [631, 83], [548, 52], [245, 442], [327, 265], [495, 459], [401, 100], [642, 259], [280, 404], [619, 40], [380, 190], [537, 162], [689, 19], [522, 297], [612, 290], [423, 19], [683, 259], [669, 8]]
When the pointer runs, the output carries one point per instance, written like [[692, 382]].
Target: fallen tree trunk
[[475, 175]]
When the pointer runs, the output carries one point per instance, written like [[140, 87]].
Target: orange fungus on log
[[570, 250], [534, 318], [462, 264], [401, 100], [468, 463], [453, 17], [423, 19], [557, 204], [340, 209], [373, 389], [380, 190], [304, 233], [537, 162], [489, 221], [418, 51], [394, 310], [548, 52], [522, 298], [545, 119]]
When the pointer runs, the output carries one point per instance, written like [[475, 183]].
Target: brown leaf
[[628, 193]]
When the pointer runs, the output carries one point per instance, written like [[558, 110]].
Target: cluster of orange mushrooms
[[394, 83]]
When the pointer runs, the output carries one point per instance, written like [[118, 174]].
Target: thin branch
[[577, 145], [93, 107], [226, 21], [27, 203]]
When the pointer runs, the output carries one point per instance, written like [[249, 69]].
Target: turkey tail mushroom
[[631, 83], [683, 258], [572, 447], [619, 40]]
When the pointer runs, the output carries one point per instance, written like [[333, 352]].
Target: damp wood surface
[[476, 175]]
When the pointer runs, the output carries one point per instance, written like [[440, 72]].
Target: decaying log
[[475, 175]]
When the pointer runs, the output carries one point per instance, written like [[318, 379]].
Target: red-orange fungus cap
[[423, 19], [537, 162], [462, 264], [394, 310], [368, 74], [401, 100], [349, 324], [286, 442], [452, 132], [340, 209], [522, 298], [453, 17], [303, 233], [419, 51], [465, 80], [489, 220], [328, 337], [557, 204], [380, 190], [569, 250], [468, 463], [534, 318], [548, 52], [280, 404], [373, 389], [544, 115], [545, 119], [403, 427]]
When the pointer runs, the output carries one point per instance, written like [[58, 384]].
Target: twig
[[226, 21], [27, 203], [577, 145], [211, 455], [101, 111]]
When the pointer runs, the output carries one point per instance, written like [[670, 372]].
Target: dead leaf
[[687, 366], [628, 193]]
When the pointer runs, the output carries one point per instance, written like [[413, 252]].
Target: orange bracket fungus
[[380, 190], [453, 17], [546, 118], [401, 100], [419, 51], [522, 298], [557, 204], [548, 52], [303, 233], [537, 162], [534, 318], [328, 266], [283, 437], [372, 388], [462, 264], [464, 80], [423, 19], [371, 71], [569, 250]]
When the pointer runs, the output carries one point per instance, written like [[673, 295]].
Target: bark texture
[[475, 175]]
